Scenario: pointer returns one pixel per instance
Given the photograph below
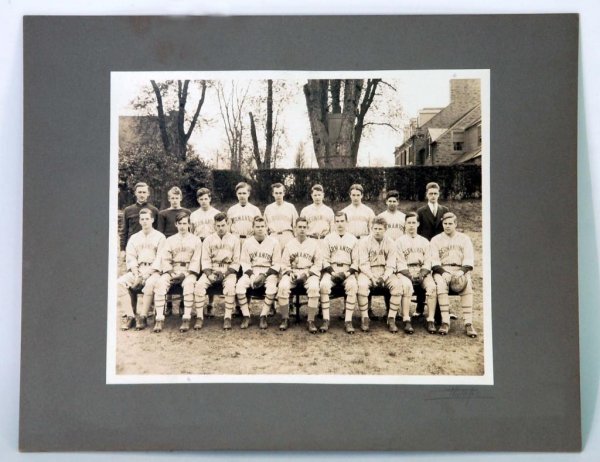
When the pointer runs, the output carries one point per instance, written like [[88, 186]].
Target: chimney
[[465, 91]]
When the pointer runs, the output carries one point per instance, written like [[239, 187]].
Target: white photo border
[[117, 78]]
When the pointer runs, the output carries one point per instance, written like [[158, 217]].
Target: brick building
[[444, 136]]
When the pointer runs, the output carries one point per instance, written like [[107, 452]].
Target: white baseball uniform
[[340, 255], [258, 258], [377, 259], [280, 221], [448, 255], [359, 219], [320, 220], [143, 262], [220, 254], [413, 257], [181, 255], [241, 218], [303, 259], [395, 223], [203, 222]]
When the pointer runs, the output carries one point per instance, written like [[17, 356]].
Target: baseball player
[[280, 216], [142, 258], [261, 261], [242, 214], [430, 220], [318, 215], [167, 218], [131, 218], [202, 222], [220, 264], [414, 262], [359, 215], [340, 264], [452, 256], [300, 264], [377, 264], [393, 217], [180, 265]]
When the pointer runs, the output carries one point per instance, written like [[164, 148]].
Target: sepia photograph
[[300, 227]]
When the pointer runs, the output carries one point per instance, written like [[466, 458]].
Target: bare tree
[[337, 111], [232, 102], [300, 160], [177, 147]]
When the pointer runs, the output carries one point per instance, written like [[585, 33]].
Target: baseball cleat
[[349, 327], [391, 322], [140, 322], [284, 324], [271, 312], [470, 330], [226, 323], [364, 324], [431, 327], [408, 328], [324, 327], [199, 324], [185, 326], [311, 327], [453, 315], [262, 323], [237, 313], [444, 329], [127, 323], [158, 327], [245, 322]]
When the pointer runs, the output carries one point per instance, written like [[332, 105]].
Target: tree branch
[[381, 123]]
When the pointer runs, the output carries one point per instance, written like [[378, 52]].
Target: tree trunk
[[255, 148], [315, 93], [162, 123], [269, 128]]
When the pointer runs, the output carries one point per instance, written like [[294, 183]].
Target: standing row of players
[[243, 249]]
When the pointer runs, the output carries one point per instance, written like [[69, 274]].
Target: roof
[[435, 133], [467, 156]]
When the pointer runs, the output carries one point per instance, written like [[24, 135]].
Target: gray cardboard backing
[[534, 403]]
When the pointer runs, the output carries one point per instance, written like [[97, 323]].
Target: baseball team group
[[244, 251]]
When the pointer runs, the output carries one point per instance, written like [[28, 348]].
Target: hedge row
[[456, 182]]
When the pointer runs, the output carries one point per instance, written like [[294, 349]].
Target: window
[[458, 145]]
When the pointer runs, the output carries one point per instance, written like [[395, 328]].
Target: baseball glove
[[218, 275], [259, 281], [458, 283]]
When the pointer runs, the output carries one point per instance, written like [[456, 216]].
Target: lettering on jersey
[[333, 248], [239, 218], [257, 255], [448, 250], [296, 256], [418, 251], [313, 218]]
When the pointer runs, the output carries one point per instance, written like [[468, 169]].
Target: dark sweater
[[131, 221], [166, 220]]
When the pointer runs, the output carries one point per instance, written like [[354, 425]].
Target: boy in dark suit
[[430, 215], [430, 224]]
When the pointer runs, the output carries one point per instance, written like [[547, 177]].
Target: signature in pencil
[[466, 394]]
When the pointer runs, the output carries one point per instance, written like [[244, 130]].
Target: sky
[[414, 90]]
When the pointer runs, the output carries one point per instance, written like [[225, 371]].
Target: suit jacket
[[429, 225]]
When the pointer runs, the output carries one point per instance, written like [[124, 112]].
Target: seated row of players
[[359, 254]]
